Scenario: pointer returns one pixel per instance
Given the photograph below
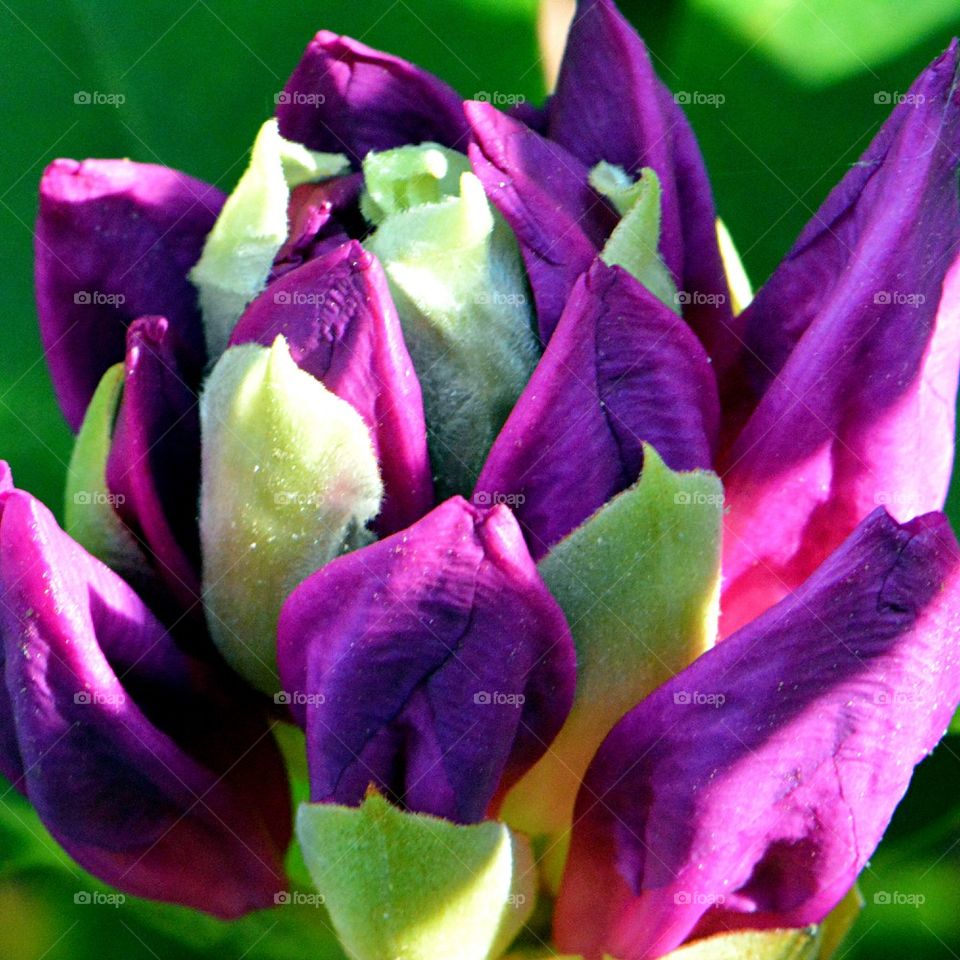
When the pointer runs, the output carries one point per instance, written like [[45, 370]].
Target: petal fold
[[620, 370], [114, 241], [434, 665], [346, 97], [853, 348], [151, 777], [543, 192], [609, 105], [751, 789]]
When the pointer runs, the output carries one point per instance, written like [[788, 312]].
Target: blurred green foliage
[[798, 87]]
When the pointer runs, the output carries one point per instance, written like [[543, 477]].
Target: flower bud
[[289, 480]]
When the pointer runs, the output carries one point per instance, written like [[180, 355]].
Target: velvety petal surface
[[345, 97], [153, 469], [750, 790], [610, 105], [433, 664], [542, 190], [114, 241], [341, 326], [102, 702], [853, 352], [621, 369]]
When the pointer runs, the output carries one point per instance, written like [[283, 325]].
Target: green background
[[800, 81]]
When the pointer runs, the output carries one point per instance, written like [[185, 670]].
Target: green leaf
[[251, 228], [89, 515], [638, 583], [289, 480], [634, 243], [413, 886], [455, 274]]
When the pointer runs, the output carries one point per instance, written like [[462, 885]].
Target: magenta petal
[[340, 323], [560, 221], [346, 97], [433, 664], [610, 105], [620, 370], [115, 241], [854, 363], [751, 789], [154, 464], [95, 687]]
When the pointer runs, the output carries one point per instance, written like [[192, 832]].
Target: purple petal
[[11, 766], [621, 369], [103, 703], [751, 789], [154, 465], [340, 323], [435, 663], [6, 477], [345, 97], [322, 217], [560, 221], [114, 241], [610, 105], [854, 363]]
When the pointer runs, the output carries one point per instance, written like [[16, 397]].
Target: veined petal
[[853, 350], [621, 369], [750, 790], [115, 241], [543, 192], [102, 703], [433, 664], [338, 319], [346, 97], [153, 470], [609, 105]]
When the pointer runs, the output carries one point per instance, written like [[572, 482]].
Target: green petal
[[251, 228], [89, 514], [407, 885], [634, 242], [289, 480], [638, 583], [460, 289]]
